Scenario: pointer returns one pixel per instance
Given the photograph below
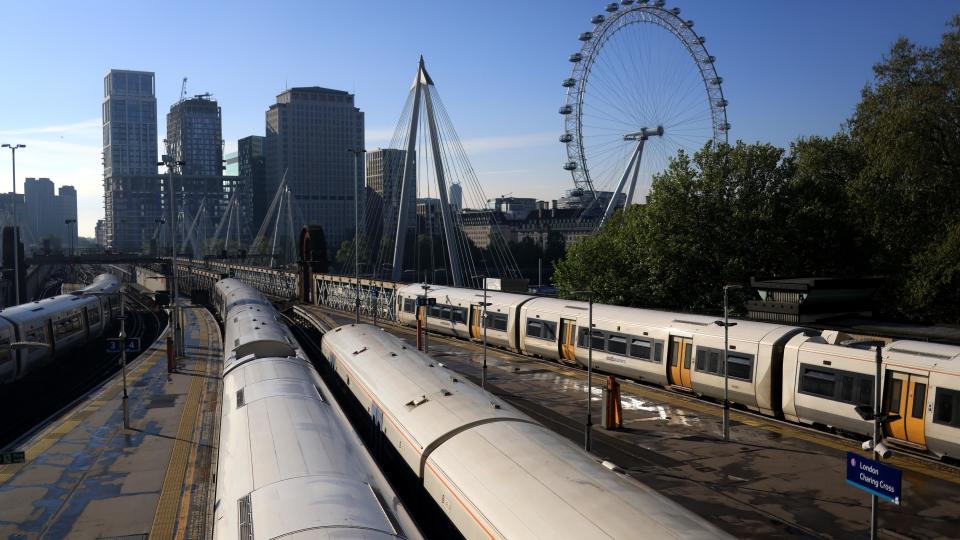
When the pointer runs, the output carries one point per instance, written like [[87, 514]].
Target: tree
[[906, 194]]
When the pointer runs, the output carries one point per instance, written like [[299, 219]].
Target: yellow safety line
[[168, 504], [44, 440]]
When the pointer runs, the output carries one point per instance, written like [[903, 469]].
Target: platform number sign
[[10, 458], [873, 477]]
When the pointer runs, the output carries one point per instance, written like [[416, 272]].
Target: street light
[[589, 425], [69, 237], [483, 374], [726, 324], [123, 347], [174, 312], [426, 316], [16, 226], [357, 152]]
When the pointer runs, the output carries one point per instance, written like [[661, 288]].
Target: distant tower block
[[456, 197]]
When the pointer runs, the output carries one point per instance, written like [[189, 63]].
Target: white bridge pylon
[[421, 96]]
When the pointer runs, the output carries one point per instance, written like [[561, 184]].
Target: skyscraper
[[384, 179], [194, 139], [131, 185], [308, 133], [42, 210], [252, 171], [68, 211]]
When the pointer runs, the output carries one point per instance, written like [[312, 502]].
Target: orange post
[[612, 409]]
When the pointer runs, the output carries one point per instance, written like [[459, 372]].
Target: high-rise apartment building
[[100, 231], [130, 182], [194, 136], [308, 133], [231, 164], [194, 141]]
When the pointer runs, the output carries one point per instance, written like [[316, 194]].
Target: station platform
[[85, 476], [773, 479]]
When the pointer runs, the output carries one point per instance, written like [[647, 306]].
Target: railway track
[[47, 394]]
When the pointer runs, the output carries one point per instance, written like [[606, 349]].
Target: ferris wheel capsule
[[612, 7], [627, 2], [569, 82], [576, 57], [688, 23], [586, 36], [570, 166], [597, 19], [566, 137], [566, 109]]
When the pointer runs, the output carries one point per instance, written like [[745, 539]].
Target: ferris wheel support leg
[[633, 183], [634, 159]]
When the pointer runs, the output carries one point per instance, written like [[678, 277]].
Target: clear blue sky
[[790, 69]]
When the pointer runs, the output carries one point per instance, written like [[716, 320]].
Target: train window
[[640, 348], [460, 315], [446, 313], [534, 328], [701, 359], [67, 326], [846, 388], [93, 315], [818, 382], [549, 330], [582, 338], [713, 362], [617, 344], [409, 305], [436, 312], [740, 367], [945, 407], [597, 341], [866, 392], [896, 388], [657, 351], [497, 321], [919, 400]]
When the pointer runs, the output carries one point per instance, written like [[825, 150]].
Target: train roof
[[103, 283], [41, 309], [683, 322], [237, 293], [522, 477], [923, 355]]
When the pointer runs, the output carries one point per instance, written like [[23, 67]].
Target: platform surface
[[773, 480], [86, 476]]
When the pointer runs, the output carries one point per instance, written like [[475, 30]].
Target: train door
[[905, 394], [476, 317], [568, 340], [681, 355]]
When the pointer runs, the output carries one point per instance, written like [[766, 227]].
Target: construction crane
[[183, 89]]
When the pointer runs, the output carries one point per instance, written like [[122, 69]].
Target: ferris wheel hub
[[644, 134]]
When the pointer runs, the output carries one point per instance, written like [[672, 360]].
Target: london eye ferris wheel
[[642, 88]]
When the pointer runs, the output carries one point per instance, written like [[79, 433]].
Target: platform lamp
[[588, 427], [357, 152], [483, 373], [170, 163], [123, 345], [726, 324], [16, 226]]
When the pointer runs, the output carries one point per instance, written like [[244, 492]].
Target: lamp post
[[483, 318], [16, 226], [426, 316], [69, 236], [174, 311], [123, 348], [726, 324], [357, 152], [875, 414], [588, 427]]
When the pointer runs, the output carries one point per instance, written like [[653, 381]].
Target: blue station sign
[[874, 477]]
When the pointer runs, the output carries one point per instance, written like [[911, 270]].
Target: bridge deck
[[773, 480], [87, 477]]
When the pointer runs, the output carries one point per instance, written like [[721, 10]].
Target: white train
[[290, 465], [781, 371], [63, 323], [495, 472]]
